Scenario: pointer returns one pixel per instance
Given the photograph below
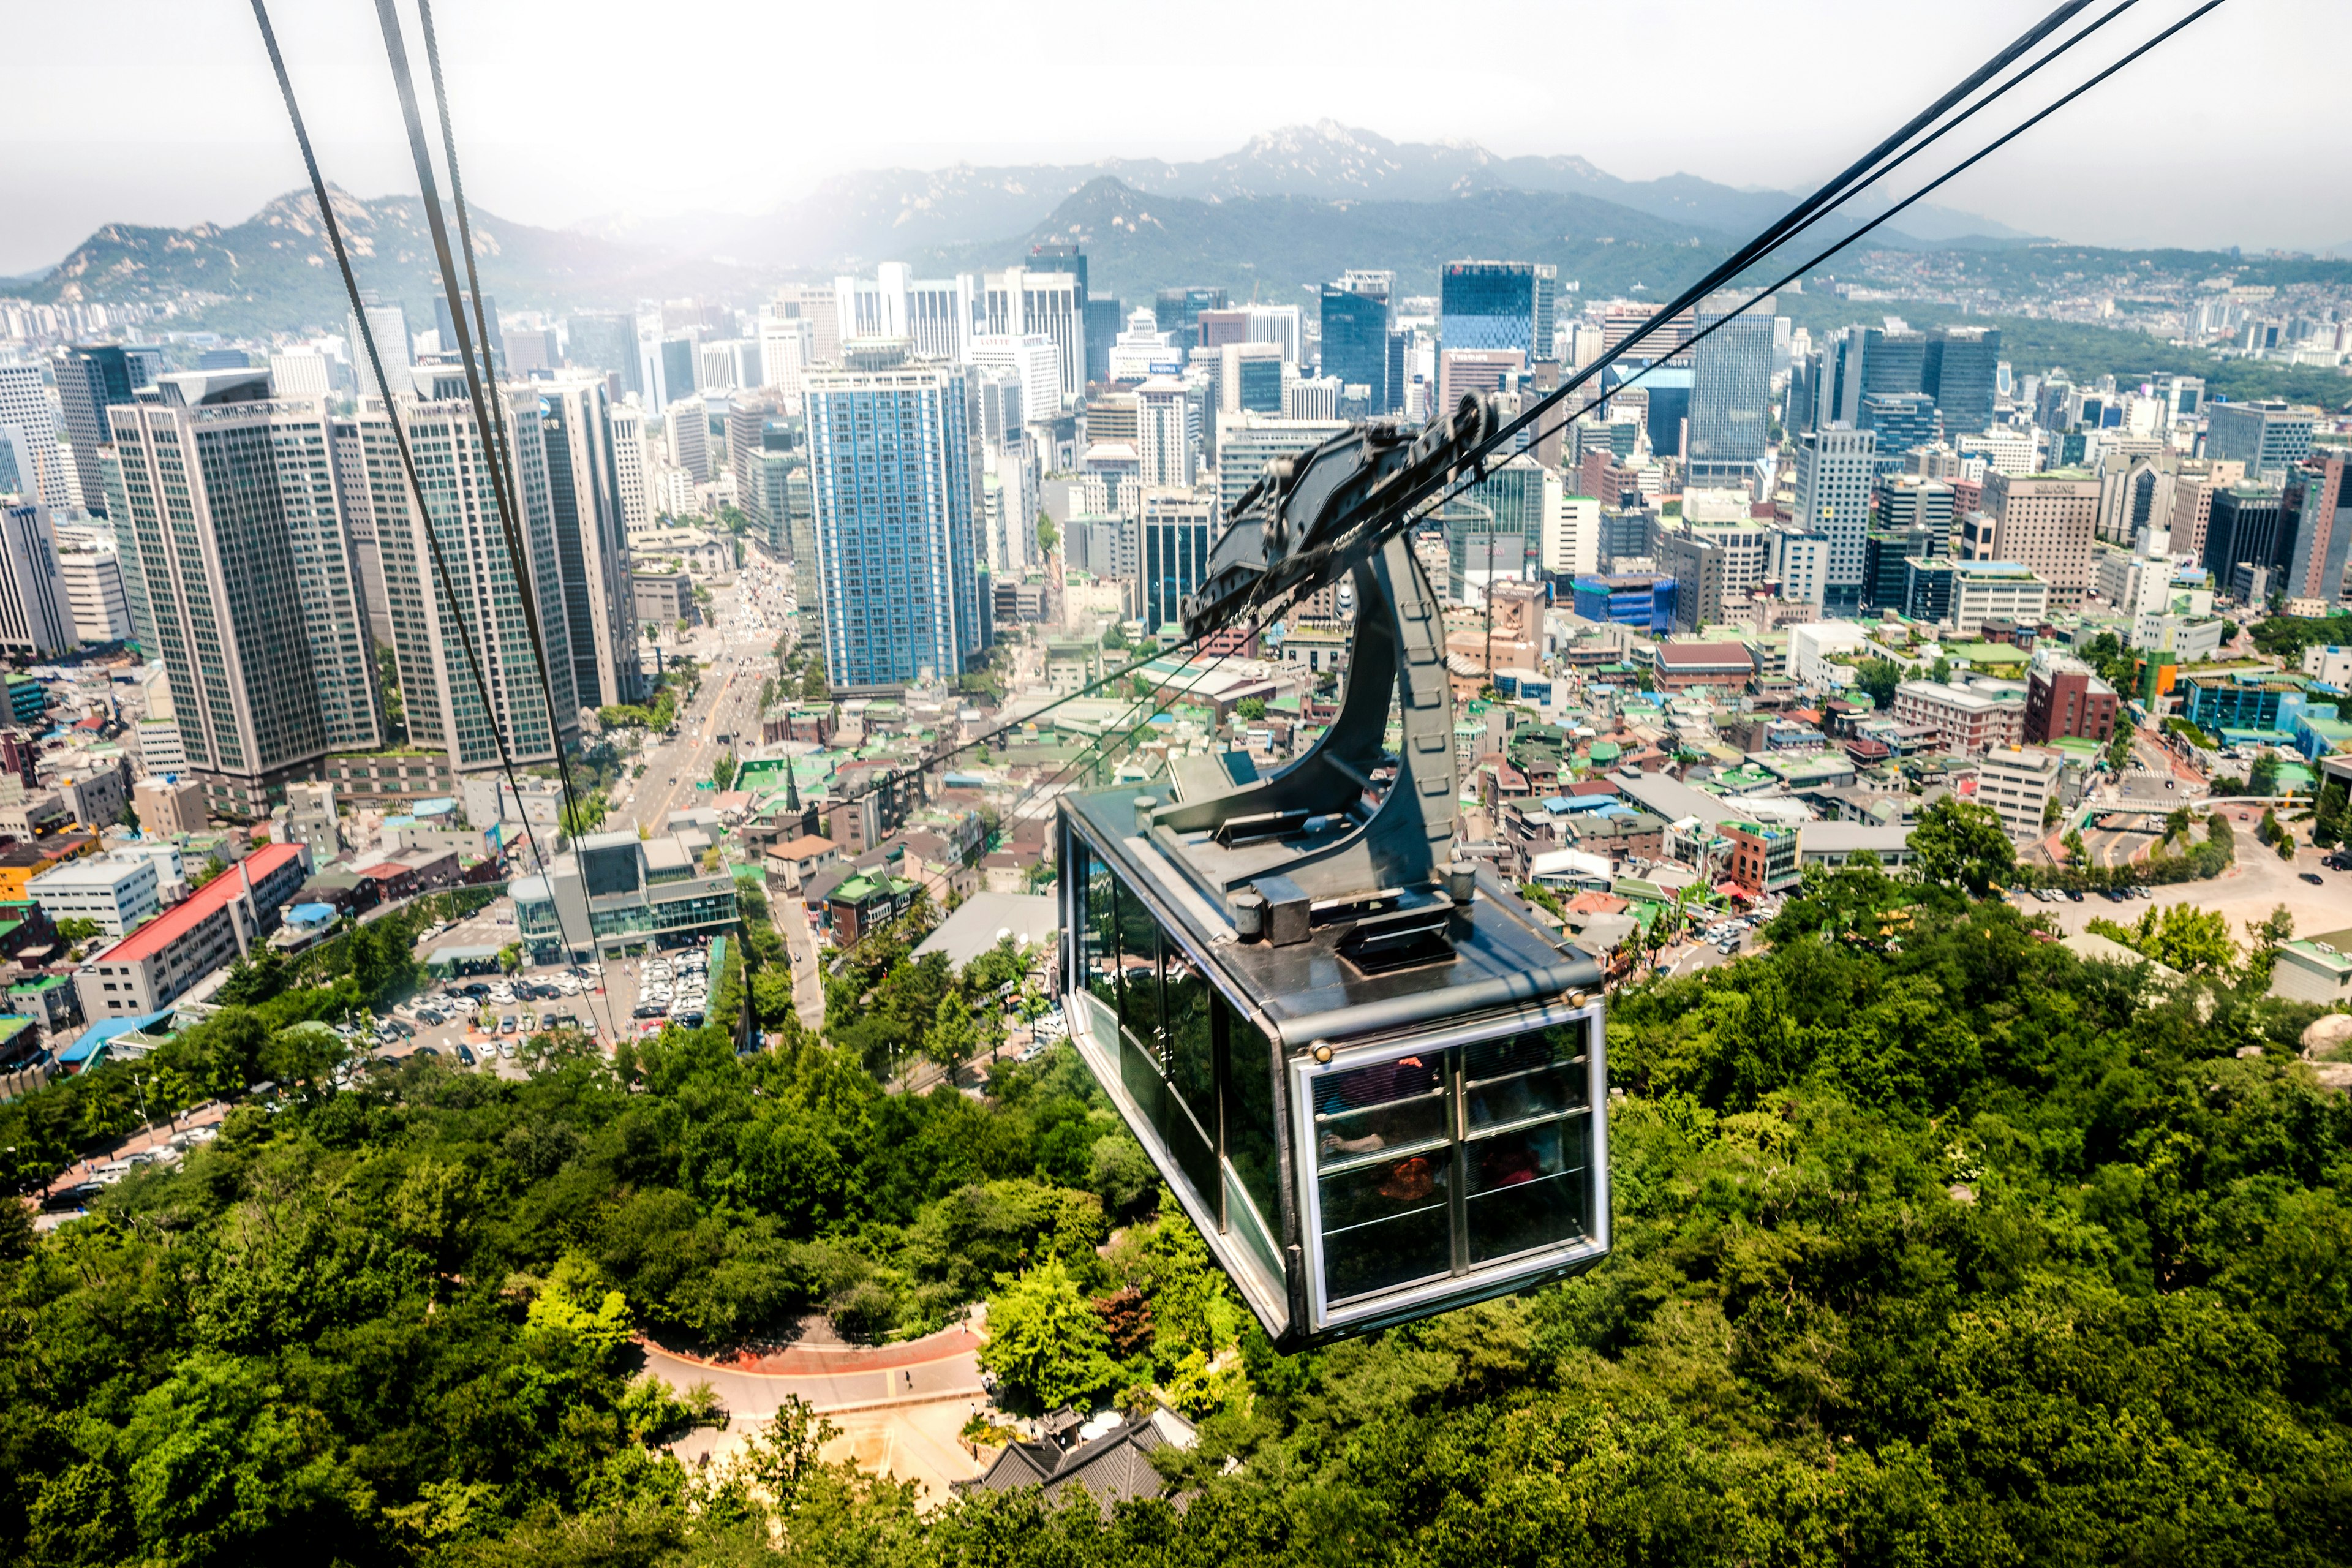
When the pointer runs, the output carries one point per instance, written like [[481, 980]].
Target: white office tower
[[1143, 351], [1571, 531], [1032, 358], [933, 315], [1834, 469], [390, 325], [689, 420], [302, 374], [1311, 397], [1011, 473], [592, 547], [1164, 436], [1285, 326], [91, 573], [787, 348], [34, 618], [727, 365], [1799, 561], [812, 304], [237, 515], [26, 410], [446, 708], [653, 364], [629, 481], [1027, 302]]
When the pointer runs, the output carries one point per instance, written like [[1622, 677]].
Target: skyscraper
[[892, 471], [1959, 371], [1901, 421], [1907, 499], [592, 546], [1356, 325], [1178, 531], [91, 379], [1894, 362], [1178, 311], [604, 343], [1024, 302], [2315, 526], [2047, 523], [1731, 385], [2266, 435], [1835, 467], [35, 619], [237, 518], [1489, 305], [445, 707], [490, 318], [389, 323], [25, 408], [628, 421], [1164, 436]]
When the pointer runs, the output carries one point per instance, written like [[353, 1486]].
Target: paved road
[[756, 1395], [746, 617]]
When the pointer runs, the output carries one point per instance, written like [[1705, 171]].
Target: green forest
[[1935, 1245]]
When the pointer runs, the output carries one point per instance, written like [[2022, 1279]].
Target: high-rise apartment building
[[91, 379], [237, 520], [893, 472], [1178, 529], [1836, 467], [2269, 437], [26, 410], [2047, 523], [35, 619], [446, 708], [592, 548], [1731, 388]]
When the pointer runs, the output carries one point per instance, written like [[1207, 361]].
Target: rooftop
[[200, 906]]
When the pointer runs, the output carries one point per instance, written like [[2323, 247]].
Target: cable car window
[[1528, 1188], [1252, 1137], [1539, 1073], [1099, 930], [1385, 1168], [1138, 968], [1191, 1053]]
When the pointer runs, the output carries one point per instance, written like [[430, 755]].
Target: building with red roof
[[214, 925]]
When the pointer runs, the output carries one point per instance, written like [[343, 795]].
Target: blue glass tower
[[1356, 341], [897, 569], [1488, 305]]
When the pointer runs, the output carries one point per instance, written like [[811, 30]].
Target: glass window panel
[[1252, 1139], [1191, 1049], [1138, 968], [1528, 1188], [1138, 1070], [1366, 1110], [1385, 1224], [1101, 931], [1537, 1073], [1194, 1155]]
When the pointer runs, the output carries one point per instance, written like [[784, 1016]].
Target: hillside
[[274, 270]]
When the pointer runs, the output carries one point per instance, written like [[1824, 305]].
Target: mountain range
[[1289, 209]]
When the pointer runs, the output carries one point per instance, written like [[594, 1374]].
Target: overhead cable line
[[366, 329], [1915, 196], [482, 387]]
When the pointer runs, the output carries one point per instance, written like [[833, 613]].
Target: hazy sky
[[164, 111]]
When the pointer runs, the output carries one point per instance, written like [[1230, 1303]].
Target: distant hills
[[1289, 208]]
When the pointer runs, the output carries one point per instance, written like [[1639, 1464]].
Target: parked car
[[2314, 878], [507, 1024]]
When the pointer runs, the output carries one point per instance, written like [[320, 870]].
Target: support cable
[[392, 413]]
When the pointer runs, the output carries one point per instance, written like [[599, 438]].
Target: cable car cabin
[[1375, 1081]]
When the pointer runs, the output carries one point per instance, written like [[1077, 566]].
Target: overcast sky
[[164, 111]]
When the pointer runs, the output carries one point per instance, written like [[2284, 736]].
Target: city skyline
[[2068, 180]]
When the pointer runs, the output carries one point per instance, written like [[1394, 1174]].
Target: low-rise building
[[1763, 856], [2316, 969], [860, 903], [116, 890], [615, 893], [387, 781], [662, 598], [2019, 782], [1835, 844], [793, 863], [20, 863], [217, 923], [1679, 666], [1964, 718], [168, 808]]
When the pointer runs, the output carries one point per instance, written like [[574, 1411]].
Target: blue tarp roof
[[98, 1035], [311, 914]]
